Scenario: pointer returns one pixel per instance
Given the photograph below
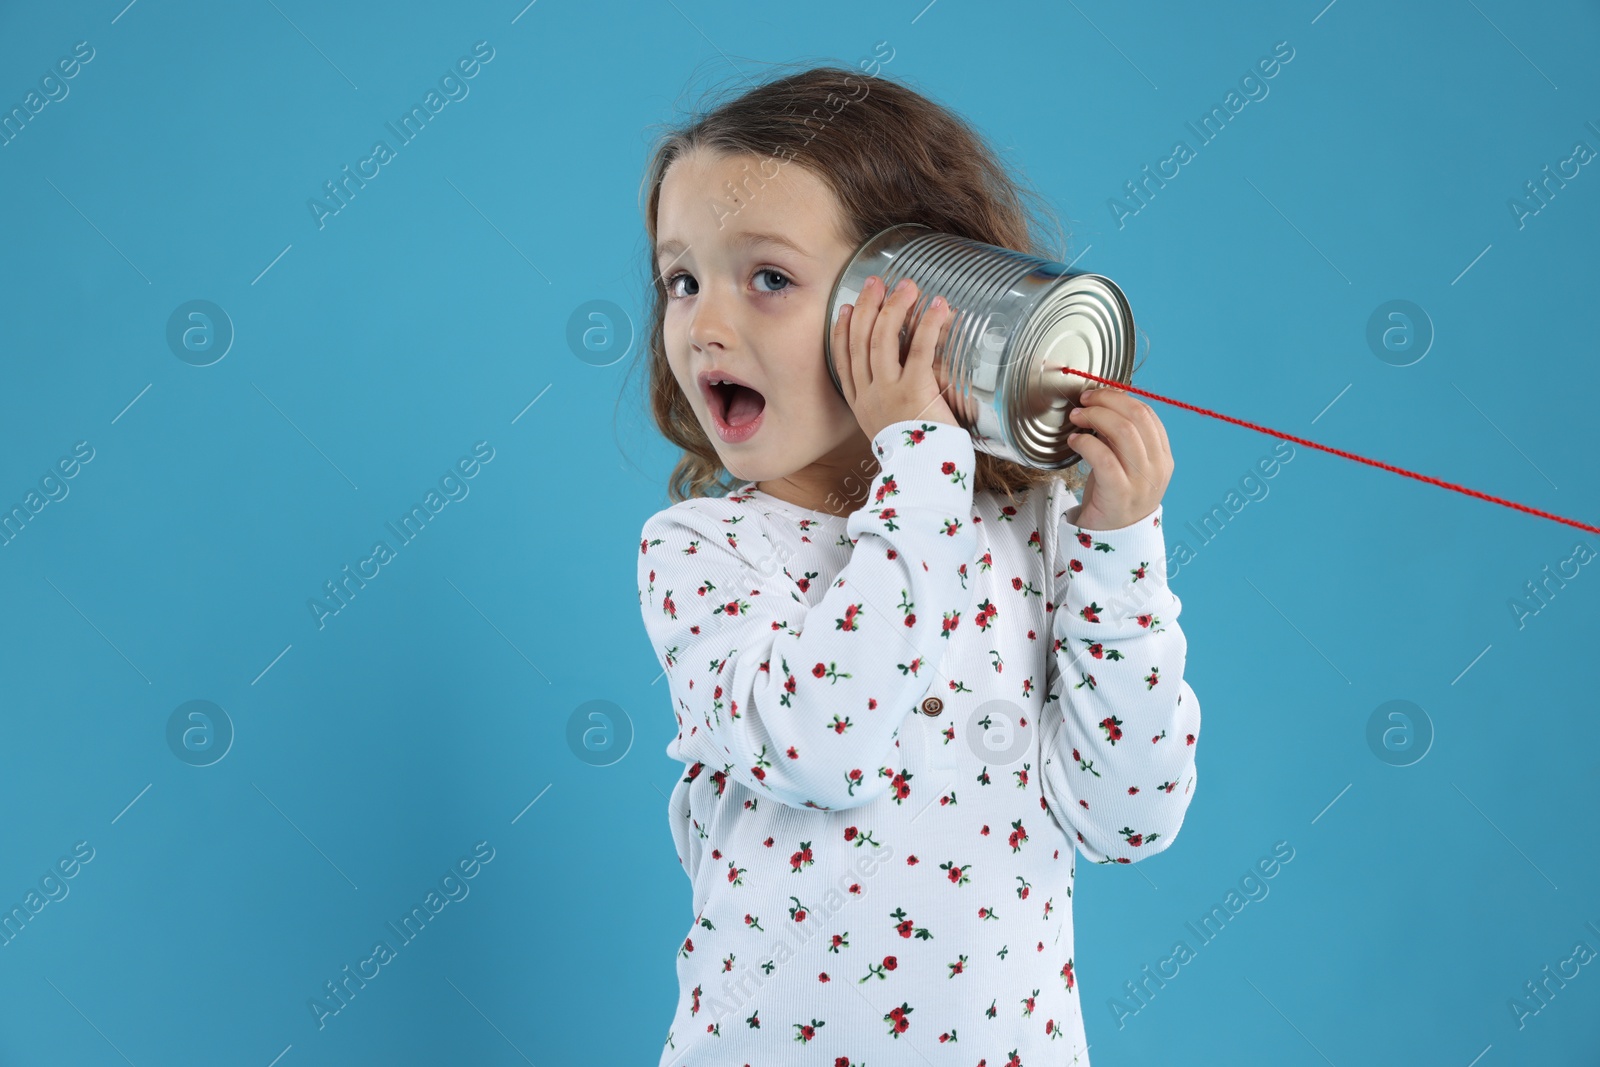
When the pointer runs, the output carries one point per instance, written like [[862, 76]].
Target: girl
[[911, 680]]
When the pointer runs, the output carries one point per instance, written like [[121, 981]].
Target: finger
[[1122, 436], [1153, 435], [927, 333], [930, 331], [885, 355], [949, 324], [1166, 445], [1097, 454], [862, 314], [839, 345]]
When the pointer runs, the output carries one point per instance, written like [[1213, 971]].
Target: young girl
[[910, 679]]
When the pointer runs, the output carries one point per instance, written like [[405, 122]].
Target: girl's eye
[[767, 273], [672, 281], [775, 274]]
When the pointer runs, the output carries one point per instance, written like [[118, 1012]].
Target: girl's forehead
[[735, 199]]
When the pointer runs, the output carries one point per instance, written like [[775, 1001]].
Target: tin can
[[1019, 320]]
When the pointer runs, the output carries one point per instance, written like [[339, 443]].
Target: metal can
[[1019, 320]]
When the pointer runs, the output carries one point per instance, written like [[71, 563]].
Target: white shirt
[[896, 727]]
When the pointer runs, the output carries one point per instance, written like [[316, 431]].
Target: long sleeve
[[805, 705], [1120, 722]]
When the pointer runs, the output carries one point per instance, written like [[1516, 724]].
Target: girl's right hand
[[878, 386]]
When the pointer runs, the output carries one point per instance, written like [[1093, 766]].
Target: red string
[[1336, 451]]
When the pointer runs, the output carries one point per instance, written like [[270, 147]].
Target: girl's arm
[[805, 705], [1120, 722]]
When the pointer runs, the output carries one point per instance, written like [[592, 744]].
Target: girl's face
[[748, 263]]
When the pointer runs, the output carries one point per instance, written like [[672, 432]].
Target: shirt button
[[932, 706]]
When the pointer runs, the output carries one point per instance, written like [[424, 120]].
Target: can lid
[[1085, 324]]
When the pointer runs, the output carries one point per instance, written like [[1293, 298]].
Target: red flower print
[[905, 928], [806, 1032], [1134, 840], [957, 875]]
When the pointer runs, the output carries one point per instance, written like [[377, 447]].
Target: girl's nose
[[710, 324]]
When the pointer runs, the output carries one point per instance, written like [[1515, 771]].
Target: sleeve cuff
[[1104, 562], [931, 463]]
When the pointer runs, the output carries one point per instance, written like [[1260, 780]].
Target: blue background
[[431, 713]]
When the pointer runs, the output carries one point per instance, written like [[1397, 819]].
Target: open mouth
[[736, 405]]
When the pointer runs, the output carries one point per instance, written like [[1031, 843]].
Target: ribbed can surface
[[1019, 320]]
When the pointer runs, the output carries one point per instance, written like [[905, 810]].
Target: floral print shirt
[[898, 728]]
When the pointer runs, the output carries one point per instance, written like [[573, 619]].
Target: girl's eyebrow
[[743, 239]]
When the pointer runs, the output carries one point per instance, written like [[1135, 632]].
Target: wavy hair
[[889, 155]]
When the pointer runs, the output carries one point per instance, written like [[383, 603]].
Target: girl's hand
[[878, 386], [1130, 460]]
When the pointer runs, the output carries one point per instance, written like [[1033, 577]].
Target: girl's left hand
[[1130, 460]]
